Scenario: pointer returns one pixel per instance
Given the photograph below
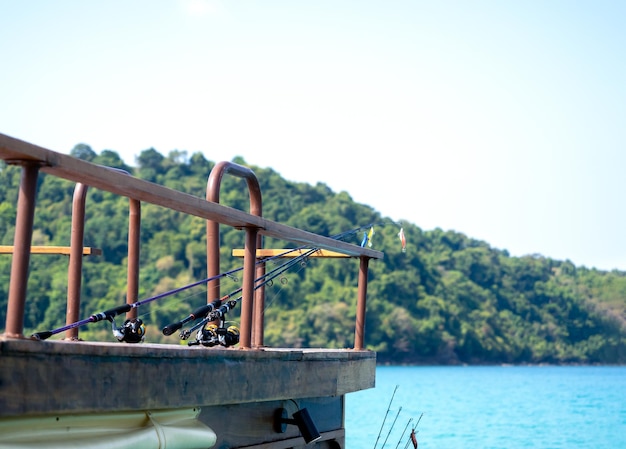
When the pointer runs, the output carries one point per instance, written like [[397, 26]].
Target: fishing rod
[[213, 334], [403, 432], [385, 418], [207, 335], [205, 309], [132, 330], [110, 314], [412, 437], [392, 426], [198, 313]]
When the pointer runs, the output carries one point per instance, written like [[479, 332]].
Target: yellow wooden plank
[[64, 250], [290, 253]]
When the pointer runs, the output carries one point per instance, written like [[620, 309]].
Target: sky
[[502, 120]]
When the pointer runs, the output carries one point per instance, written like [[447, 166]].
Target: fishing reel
[[213, 335], [132, 331]]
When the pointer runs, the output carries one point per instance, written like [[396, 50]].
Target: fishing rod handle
[[111, 313], [171, 328], [42, 335], [211, 316], [199, 312]]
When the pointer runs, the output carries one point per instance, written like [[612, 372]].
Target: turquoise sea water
[[500, 407]]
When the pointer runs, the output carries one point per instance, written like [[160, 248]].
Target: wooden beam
[[290, 253], [63, 250]]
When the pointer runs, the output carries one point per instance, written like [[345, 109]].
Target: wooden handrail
[[60, 250]]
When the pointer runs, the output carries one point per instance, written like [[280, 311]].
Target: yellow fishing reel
[[231, 337], [213, 335], [132, 331]]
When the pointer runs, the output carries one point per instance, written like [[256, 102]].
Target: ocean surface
[[503, 407]]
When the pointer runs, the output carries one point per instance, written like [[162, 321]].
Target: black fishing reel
[[132, 331], [213, 335]]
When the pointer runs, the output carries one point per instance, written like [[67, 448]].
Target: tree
[[84, 152]]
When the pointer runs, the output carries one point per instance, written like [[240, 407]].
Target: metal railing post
[[255, 300], [22, 242], [134, 239], [75, 266], [359, 330]]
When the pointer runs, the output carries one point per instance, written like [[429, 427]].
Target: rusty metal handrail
[[75, 266], [253, 305], [21, 256], [33, 159]]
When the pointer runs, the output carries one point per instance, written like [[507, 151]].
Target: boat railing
[[34, 159], [74, 271]]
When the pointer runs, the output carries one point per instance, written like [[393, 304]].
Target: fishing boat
[[66, 392]]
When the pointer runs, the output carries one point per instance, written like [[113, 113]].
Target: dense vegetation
[[447, 299]]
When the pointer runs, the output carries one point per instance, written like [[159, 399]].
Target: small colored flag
[[369, 236], [402, 239]]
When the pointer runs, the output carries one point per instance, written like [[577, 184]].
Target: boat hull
[[236, 391]]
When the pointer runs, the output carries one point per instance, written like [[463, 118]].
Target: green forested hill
[[447, 299]]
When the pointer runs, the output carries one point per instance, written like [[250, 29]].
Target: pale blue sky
[[502, 120]]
